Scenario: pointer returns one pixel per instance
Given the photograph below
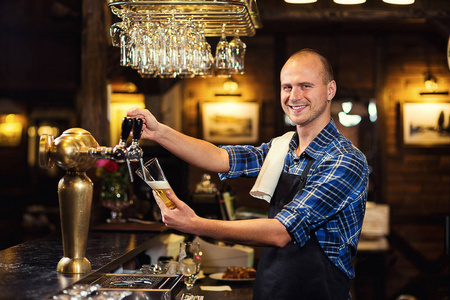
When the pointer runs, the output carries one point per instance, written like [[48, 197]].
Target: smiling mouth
[[297, 107]]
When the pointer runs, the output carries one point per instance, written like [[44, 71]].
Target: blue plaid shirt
[[333, 201]]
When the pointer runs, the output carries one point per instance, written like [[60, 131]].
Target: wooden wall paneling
[[92, 101]]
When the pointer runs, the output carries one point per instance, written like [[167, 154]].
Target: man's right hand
[[150, 126]]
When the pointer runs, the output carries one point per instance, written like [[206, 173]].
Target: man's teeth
[[298, 107]]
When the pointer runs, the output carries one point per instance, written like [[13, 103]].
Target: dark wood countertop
[[28, 270]]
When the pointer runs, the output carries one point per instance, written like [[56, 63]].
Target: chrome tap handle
[[120, 153], [135, 152]]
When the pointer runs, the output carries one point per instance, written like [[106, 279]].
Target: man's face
[[304, 97]]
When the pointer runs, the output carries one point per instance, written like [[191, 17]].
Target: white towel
[[270, 173]]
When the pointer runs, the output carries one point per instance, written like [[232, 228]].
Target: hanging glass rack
[[241, 15]]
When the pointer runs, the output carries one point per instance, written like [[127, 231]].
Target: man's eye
[[287, 88]]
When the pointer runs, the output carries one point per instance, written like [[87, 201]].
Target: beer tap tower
[[76, 151]]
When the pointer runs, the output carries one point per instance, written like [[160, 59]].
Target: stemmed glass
[[237, 54], [189, 260], [115, 31], [167, 48], [222, 55]]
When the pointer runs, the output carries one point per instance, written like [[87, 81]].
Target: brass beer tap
[[76, 151]]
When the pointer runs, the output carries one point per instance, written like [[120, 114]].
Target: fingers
[[159, 201], [136, 112], [172, 197], [162, 206]]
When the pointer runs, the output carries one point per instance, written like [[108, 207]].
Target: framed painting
[[425, 124], [230, 122]]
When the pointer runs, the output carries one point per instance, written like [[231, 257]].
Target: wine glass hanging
[[171, 41], [175, 49]]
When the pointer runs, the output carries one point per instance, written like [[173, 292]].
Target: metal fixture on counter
[[76, 151], [168, 38]]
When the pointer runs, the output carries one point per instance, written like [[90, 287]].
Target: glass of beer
[[154, 177]]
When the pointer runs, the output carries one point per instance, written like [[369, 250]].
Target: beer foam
[[159, 185]]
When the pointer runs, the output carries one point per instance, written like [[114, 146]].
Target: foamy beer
[[154, 177], [161, 187]]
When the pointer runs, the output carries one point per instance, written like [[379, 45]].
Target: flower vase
[[115, 198]]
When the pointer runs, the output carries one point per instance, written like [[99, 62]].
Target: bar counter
[[28, 270]]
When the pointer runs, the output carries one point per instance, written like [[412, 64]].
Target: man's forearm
[[194, 151], [255, 232]]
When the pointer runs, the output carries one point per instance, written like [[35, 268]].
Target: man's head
[[327, 68], [307, 88]]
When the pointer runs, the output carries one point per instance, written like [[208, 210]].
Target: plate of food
[[237, 274]]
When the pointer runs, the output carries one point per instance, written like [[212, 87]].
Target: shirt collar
[[319, 144]]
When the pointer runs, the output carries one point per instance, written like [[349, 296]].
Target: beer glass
[[154, 177]]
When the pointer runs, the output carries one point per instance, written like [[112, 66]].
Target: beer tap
[[135, 152], [76, 151], [120, 151]]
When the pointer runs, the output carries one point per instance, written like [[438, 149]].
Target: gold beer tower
[[76, 151]]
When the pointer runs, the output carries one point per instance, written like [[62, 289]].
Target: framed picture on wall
[[230, 122], [425, 124]]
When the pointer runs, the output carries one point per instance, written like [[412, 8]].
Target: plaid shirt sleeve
[[245, 161]]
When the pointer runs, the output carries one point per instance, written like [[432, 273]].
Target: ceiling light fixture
[[399, 2], [349, 2], [300, 1]]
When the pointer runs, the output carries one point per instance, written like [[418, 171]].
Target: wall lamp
[[351, 2], [431, 83], [431, 86], [230, 87]]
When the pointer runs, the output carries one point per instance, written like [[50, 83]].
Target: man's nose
[[296, 93]]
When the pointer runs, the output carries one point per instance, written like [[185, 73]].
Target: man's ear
[[331, 90]]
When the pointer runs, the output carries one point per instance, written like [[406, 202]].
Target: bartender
[[314, 178]]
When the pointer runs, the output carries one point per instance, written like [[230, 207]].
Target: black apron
[[294, 272]]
